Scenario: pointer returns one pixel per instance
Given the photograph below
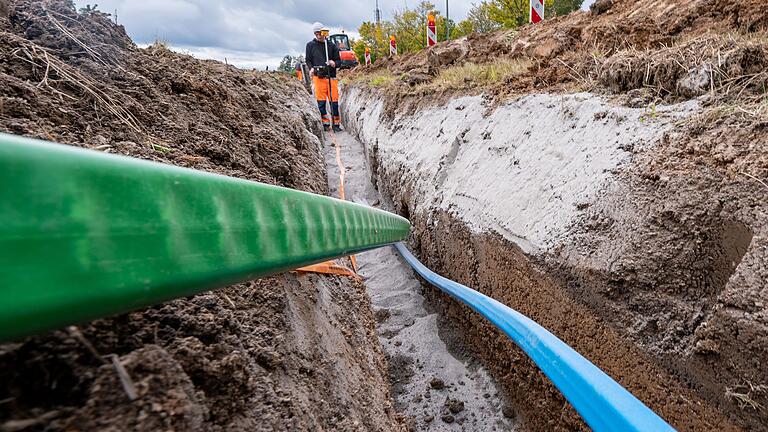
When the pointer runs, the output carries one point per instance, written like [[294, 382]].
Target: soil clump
[[664, 51], [660, 279], [289, 352]]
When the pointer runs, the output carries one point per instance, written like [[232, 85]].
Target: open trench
[[560, 224], [436, 384]]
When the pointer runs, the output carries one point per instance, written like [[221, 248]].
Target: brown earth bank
[[675, 255], [500, 270], [662, 282], [692, 388], [668, 264], [289, 352], [648, 50]]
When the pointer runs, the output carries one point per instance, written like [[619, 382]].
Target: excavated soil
[[661, 278], [499, 269], [289, 352], [687, 281], [660, 283], [654, 50]]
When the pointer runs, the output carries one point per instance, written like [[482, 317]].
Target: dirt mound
[[276, 354], [671, 254], [687, 281], [150, 103], [672, 50]]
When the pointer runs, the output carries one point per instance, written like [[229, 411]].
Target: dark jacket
[[315, 57]]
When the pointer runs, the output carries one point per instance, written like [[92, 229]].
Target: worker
[[323, 68], [298, 71]]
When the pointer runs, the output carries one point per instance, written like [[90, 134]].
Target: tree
[[440, 27], [375, 37], [479, 17], [509, 13], [410, 29], [514, 13], [463, 28], [561, 7], [287, 64], [478, 21]]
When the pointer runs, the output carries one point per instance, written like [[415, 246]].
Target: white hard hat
[[316, 27]]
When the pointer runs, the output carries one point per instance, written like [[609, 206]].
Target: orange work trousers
[[321, 88]]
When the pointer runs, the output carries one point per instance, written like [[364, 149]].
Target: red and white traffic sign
[[431, 30], [537, 10], [367, 56], [392, 45]]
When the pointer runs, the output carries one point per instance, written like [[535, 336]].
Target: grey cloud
[[253, 32]]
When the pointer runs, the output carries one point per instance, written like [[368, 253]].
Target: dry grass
[[39, 59], [379, 78], [456, 77], [744, 395], [745, 109], [718, 60], [477, 75]]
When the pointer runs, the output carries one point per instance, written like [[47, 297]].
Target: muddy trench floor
[[436, 384]]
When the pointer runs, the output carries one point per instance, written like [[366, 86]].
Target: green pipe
[[85, 234]]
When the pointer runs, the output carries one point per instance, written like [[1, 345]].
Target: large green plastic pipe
[[85, 234]]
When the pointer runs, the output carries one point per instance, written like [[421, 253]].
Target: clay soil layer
[[290, 352], [659, 284], [658, 275]]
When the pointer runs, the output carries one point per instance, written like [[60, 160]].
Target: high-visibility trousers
[[299, 76], [321, 89], [321, 94]]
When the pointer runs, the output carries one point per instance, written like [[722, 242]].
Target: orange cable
[[330, 267]]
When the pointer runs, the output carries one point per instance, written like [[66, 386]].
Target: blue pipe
[[602, 402]]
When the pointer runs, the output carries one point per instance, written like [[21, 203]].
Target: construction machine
[[348, 57]]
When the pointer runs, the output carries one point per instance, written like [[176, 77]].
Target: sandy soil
[[653, 51], [284, 353], [488, 199], [646, 228], [435, 384]]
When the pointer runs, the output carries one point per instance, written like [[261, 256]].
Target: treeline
[[408, 25]]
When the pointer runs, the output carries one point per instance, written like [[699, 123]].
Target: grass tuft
[[745, 395], [478, 75]]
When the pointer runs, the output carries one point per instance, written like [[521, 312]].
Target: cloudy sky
[[248, 33]]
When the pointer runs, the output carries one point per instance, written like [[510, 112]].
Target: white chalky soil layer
[[525, 170], [409, 333]]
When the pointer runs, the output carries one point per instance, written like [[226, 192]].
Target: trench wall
[[500, 197]]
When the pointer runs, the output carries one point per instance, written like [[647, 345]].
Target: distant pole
[[447, 25], [115, 16]]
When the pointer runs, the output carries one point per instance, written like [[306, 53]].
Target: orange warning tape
[[341, 166], [330, 267]]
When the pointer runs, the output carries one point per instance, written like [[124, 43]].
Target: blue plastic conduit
[[602, 402]]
